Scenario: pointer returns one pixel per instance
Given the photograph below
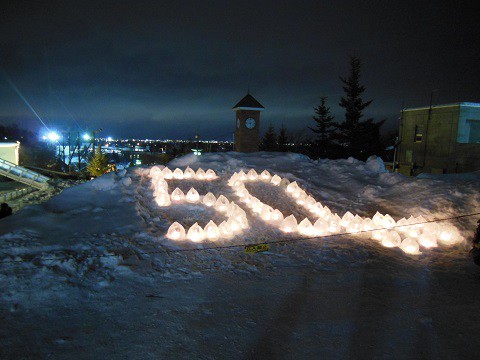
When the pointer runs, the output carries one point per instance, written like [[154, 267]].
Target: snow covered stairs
[[23, 175]]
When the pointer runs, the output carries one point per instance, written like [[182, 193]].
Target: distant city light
[[109, 138], [86, 137], [53, 136]]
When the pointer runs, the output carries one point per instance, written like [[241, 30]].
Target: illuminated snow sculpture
[[163, 199], [178, 174], [177, 195], [188, 173], [410, 246], [192, 196], [289, 224], [212, 231], [200, 174], [210, 174], [209, 199], [195, 233], [176, 231], [265, 176], [306, 228]]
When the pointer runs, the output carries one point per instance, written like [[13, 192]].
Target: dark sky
[[165, 69]]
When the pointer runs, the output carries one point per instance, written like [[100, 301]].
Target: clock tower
[[247, 124]]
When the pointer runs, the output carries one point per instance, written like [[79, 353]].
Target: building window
[[474, 134], [418, 133]]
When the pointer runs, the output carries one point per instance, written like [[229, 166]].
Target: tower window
[[418, 133]]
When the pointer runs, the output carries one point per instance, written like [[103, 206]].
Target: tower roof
[[248, 103]]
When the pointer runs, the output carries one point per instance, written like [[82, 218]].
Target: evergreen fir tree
[[360, 138], [269, 140], [324, 129], [98, 165], [282, 139]]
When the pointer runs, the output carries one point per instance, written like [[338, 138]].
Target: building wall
[[246, 140], [10, 152], [439, 150]]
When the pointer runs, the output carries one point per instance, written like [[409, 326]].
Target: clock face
[[250, 123]]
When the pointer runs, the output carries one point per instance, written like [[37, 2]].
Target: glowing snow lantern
[[388, 222], [292, 187], [210, 174], [289, 224], [234, 225], [178, 174], [211, 231], [222, 204], [167, 173], [232, 179], [231, 209], [367, 224], [265, 176], [161, 185], [320, 227], [200, 174], [243, 221], [391, 239], [192, 196], [301, 200], [176, 232], [252, 175], [284, 183], [257, 207], [242, 176], [277, 216], [195, 233], [225, 230], [242, 192], [346, 219], [157, 169], [410, 246], [188, 173], [413, 231], [305, 227], [276, 180], [177, 195], [378, 219], [247, 199], [354, 227], [209, 199], [427, 240], [334, 226], [310, 202], [317, 209], [446, 236], [238, 185], [163, 199], [379, 234], [267, 212]]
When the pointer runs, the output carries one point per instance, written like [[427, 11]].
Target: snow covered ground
[[90, 273]]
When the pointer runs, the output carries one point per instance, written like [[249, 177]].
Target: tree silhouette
[[360, 139], [324, 130], [269, 140]]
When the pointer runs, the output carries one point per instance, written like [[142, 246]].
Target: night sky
[[166, 69]]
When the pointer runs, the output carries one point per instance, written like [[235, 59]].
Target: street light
[[86, 137], [53, 136]]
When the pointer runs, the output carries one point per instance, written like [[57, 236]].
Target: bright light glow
[[109, 138], [242, 176], [427, 240], [265, 176], [53, 136], [86, 137], [292, 187], [188, 173]]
